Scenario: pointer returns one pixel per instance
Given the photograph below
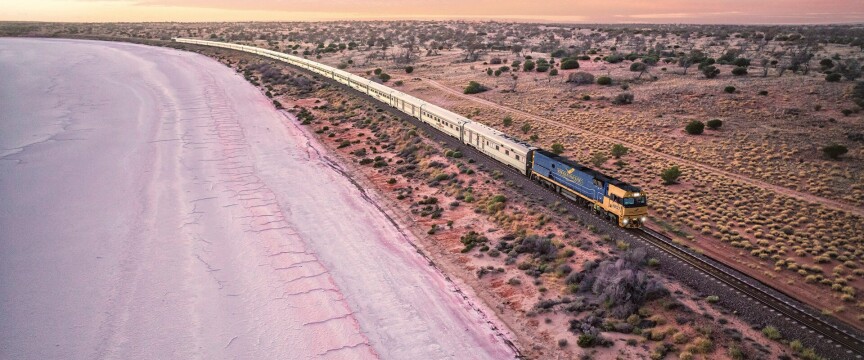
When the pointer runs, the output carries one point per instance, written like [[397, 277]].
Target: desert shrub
[[739, 71], [849, 68], [378, 71], [598, 159], [695, 127], [528, 65], [858, 93], [568, 64], [495, 61], [833, 77], [623, 99], [729, 89], [562, 343], [409, 69], [710, 71], [554, 72], [474, 88], [622, 285], [557, 148], [834, 151], [604, 80], [580, 78], [712, 299], [384, 77], [741, 62], [714, 124], [542, 67], [541, 247], [762, 92], [670, 175], [471, 240], [796, 345], [771, 332], [614, 58], [619, 150], [638, 66], [508, 120], [525, 128], [586, 340]]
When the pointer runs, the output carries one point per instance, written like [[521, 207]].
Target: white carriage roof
[[490, 131]]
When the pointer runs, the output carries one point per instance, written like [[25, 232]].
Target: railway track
[[758, 292], [826, 335]]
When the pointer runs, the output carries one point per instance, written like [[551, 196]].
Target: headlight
[[626, 221], [644, 219], [636, 194]]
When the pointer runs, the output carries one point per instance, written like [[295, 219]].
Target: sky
[[571, 11]]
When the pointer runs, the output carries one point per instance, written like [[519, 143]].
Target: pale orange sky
[[598, 11]]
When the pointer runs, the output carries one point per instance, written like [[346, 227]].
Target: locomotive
[[616, 200]]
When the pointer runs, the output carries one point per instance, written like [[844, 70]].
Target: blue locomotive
[[618, 201]]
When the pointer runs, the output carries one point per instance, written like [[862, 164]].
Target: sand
[[153, 204]]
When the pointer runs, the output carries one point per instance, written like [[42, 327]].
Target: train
[[617, 201]]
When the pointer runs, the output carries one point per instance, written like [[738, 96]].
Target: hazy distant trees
[[686, 61], [849, 69]]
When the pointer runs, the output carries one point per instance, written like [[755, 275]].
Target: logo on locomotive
[[568, 174]]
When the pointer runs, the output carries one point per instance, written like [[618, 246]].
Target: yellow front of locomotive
[[629, 205]]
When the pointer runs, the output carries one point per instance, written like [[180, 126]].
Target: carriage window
[[506, 152], [497, 147], [517, 157]]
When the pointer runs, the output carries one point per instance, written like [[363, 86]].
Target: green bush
[[771, 333], [409, 69], [568, 64], [557, 148], [508, 121], [710, 71], [729, 89], [833, 77], [528, 65], [623, 99], [834, 151], [714, 124], [619, 150], [384, 77], [474, 88], [614, 58], [670, 176], [638, 66], [586, 341], [739, 71], [604, 80], [695, 127]]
